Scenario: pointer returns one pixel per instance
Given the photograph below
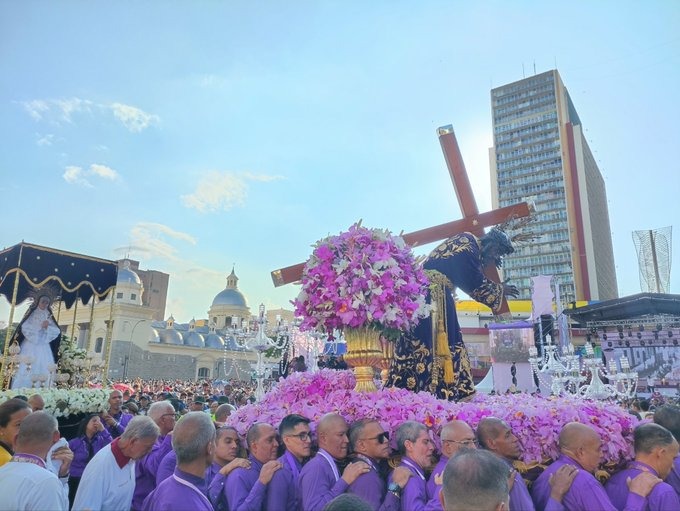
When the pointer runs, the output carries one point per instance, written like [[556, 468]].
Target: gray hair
[[356, 430], [475, 480], [409, 430], [141, 427], [648, 437], [37, 429], [158, 409], [223, 411], [192, 435]]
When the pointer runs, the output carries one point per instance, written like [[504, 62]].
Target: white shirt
[[25, 486], [104, 485]]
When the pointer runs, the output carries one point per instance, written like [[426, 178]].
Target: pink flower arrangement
[[362, 277], [535, 420]]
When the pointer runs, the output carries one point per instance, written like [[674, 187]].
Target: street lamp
[[129, 354]]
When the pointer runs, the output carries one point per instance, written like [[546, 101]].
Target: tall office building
[[540, 154]]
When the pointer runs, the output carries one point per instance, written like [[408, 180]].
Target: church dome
[[213, 340], [231, 297], [170, 336], [153, 335], [193, 338], [127, 276]]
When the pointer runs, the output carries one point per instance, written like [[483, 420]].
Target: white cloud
[[150, 240], [75, 176], [104, 172], [221, 191], [63, 110], [132, 117], [79, 176], [45, 140], [36, 108], [68, 107]]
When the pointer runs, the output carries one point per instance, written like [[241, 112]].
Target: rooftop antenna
[[523, 75], [534, 68]]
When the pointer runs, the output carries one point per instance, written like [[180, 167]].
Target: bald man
[[320, 480], [454, 436], [495, 435], [580, 447]]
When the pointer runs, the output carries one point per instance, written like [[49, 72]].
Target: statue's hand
[[510, 290]]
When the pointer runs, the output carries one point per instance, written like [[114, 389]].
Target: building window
[[98, 344], [119, 296], [133, 296], [204, 372]]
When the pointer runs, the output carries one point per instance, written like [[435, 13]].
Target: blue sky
[[198, 135]]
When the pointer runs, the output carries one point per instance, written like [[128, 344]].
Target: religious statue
[[433, 357], [39, 337]]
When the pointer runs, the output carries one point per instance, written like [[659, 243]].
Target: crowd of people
[[158, 455]]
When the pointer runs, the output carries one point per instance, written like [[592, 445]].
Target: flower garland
[[65, 402], [535, 420], [362, 277]]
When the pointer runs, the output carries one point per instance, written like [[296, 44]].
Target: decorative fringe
[[443, 351]]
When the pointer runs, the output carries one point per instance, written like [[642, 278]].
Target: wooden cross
[[473, 221]]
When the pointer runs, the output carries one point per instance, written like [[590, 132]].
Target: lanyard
[[368, 461], [638, 465], [292, 463], [414, 467], [193, 487], [28, 458], [331, 462]]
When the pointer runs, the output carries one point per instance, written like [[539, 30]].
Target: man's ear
[[55, 437]]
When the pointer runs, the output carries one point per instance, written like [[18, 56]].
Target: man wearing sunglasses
[[454, 436], [370, 444], [296, 435]]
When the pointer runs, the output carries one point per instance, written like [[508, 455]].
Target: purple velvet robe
[[318, 483], [243, 490], [146, 469], [122, 419], [674, 477], [414, 494], [81, 452], [661, 498], [585, 494], [166, 467], [520, 499], [282, 489], [171, 495], [372, 488]]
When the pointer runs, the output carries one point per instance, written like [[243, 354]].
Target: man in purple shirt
[[655, 450], [370, 443], [580, 447], [115, 419], [246, 488], [454, 436], [296, 435], [320, 480], [669, 417], [496, 436], [163, 414], [227, 450], [194, 443], [416, 449]]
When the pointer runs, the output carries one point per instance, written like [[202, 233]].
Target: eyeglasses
[[466, 443], [303, 437], [169, 415], [381, 438]]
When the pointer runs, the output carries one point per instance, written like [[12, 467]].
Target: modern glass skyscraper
[[541, 155]]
